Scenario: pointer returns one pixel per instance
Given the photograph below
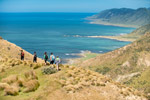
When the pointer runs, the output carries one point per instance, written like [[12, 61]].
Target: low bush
[[30, 75], [31, 85], [11, 91], [49, 70], [36, 66], [103, 70], [10, 79], [3, 86]]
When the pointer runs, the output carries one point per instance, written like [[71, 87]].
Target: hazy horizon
[[79, 6]]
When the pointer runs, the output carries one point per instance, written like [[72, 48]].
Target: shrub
[[69, 88], [10, 79], [31, 64], [11, 90], [66, 66], [1, 38], [49, 70], [31, 85], [47, 63], [30, 75], [72, 67], [3, 86], [25, 63], [38, 65], [62, 82], [61, 65], [2, 69], [103, 70], [21, 81]]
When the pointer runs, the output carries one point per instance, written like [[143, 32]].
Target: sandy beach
[[119, 38]]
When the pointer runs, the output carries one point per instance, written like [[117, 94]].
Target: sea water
[[64, 34]]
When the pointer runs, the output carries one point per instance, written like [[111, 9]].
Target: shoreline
[[118, 38], [82, 56]]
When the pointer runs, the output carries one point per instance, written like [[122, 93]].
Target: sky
[[68, 5]]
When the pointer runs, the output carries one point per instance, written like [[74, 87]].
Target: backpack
[[46, 57], [57, 60], [53, 58]]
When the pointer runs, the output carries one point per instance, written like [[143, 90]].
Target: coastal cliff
[[122, 17]]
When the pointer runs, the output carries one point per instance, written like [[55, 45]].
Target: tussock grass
[[31, 85], [11, 90], [37, 65], [30, 75], [1, 38], [12, 84], [78, 78], [10, 79], [3, 86]]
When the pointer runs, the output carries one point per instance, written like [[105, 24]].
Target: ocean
[[64, 34]]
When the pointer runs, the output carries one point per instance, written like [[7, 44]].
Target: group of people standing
[[46, 58], [52, 59]]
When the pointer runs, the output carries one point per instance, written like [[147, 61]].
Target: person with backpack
[[22, 55], [52, 58], [35, 57], [57, 61], [45, 57]]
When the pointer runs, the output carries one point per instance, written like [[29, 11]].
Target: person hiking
[[52, 58], [45, 57], [57, 61], [22, 55], [35, 57]]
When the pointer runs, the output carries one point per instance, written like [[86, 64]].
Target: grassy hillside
[[24, 80], [129, 65], [10, 50], [136, 34], [123, 17]]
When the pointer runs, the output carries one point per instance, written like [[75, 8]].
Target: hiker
[[35, 57], [57, 61], [52, 58], [22, 55], [45, 57]]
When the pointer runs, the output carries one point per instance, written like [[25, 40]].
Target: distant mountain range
[[123, 17]]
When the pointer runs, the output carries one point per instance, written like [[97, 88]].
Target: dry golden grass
[[1, 38], [3, 85], [2, 69], [71, 83], [12, 84], [10, 50], [10, 79], [11, 90], [37, 65], [30, 86], [30, 75], [21, 81]]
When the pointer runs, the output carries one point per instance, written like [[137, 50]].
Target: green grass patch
[[89, 56]]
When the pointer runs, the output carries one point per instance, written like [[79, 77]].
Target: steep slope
[[123, 17], [25, 81], [10, 50], [136, 34], [141, 31], [129, 64]]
